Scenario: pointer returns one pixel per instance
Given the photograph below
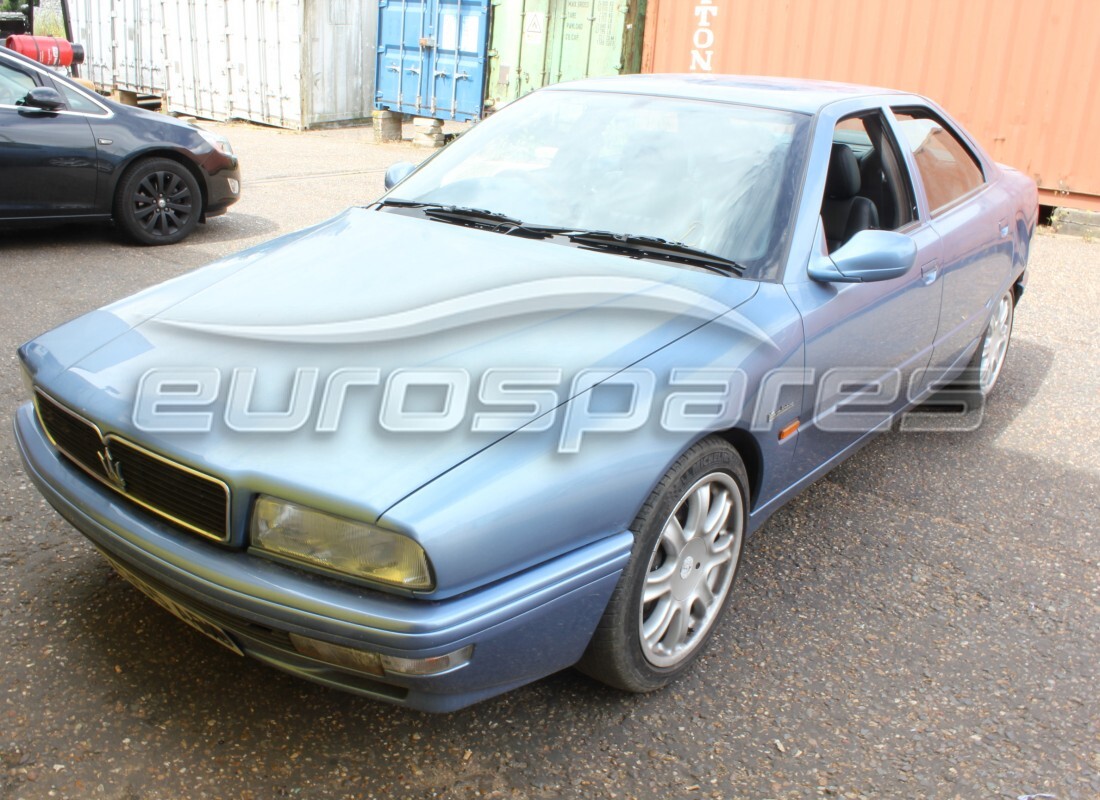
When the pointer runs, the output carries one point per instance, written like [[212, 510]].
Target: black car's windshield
[[716, 177]]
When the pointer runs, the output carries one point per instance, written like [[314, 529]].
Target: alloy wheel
[[691, 570], [162, 203], [995, 343]]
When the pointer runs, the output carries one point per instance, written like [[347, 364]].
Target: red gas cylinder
[[49, 50]]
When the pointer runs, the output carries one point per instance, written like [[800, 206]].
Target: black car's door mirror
[[43, 98], [867, 256], [398, 172]]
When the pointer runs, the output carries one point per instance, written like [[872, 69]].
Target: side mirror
[[867, 256], [44, 98], [398, 172]]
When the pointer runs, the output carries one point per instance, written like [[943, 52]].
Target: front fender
[[524, 500]]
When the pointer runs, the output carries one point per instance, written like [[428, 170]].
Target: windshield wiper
[[463, 215], [480, 218], [655, 247], [628, 244]]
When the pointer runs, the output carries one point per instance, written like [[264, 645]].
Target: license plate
[[201, 624]]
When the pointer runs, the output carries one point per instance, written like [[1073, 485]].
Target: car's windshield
[[715, 176]]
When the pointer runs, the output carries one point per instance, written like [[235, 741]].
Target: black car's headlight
[[335, 543], [219, 143]]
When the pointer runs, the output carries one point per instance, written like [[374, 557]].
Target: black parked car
[[67, 153]]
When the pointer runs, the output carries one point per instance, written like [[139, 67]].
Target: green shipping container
[[534, 43]]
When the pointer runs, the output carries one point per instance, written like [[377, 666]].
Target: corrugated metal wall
[[291, 63], [123, 41], [431, 57], [198, 57], [1021, 75], [264, 50], [538, 42], [338, 60]]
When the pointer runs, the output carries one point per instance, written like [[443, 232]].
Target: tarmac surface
[[924, 622]]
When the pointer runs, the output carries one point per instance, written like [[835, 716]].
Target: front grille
[[175, 491], [74, 436], [183, 496]]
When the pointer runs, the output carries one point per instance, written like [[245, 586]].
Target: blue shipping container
[[431, 57]]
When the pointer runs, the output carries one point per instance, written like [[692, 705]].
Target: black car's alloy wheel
[[687, 545], [158, 202]]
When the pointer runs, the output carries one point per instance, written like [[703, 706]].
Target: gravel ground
[[922, 623]]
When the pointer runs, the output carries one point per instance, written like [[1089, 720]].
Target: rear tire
[[981, 374], [157, 202], [670, 597]]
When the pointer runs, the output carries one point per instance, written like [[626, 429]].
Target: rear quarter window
[[947, 169]]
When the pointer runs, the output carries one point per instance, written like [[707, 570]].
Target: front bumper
[[223, 189], [522, 628]]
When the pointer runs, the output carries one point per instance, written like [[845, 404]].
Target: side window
[[78, 102], [14, 85], [947, 168], [867, 184]]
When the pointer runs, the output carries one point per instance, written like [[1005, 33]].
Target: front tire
[[687, 546], [158, 202]]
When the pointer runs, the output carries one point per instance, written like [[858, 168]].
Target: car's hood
[[138, 112], [367, 295]]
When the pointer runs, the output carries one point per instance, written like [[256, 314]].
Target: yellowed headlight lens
[[340, 544]]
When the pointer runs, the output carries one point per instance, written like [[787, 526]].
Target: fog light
[[234, 185], [378, 664], [436, 665], [361, 660]]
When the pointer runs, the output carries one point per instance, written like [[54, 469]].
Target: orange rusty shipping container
[[1023, 76]]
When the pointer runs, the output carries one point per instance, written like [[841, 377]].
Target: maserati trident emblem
[[112, 468]]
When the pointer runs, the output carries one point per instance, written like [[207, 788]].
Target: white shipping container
[[139, 47], [197, 51], [123, 42], [291, 63]]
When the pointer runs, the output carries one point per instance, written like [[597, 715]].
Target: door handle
[[929, 272]]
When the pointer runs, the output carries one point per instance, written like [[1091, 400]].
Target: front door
[[865, 341], [47, 158]]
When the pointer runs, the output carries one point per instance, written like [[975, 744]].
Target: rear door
[[973, 218], [47, 159]]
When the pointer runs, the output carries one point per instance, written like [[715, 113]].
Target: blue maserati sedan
[[68, 154], [521, 413]]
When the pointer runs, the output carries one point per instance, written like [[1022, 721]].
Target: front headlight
[[219, 143], [324, 540]]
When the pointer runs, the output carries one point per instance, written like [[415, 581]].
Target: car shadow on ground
[[233, 226], [39, 236], [226, 228]]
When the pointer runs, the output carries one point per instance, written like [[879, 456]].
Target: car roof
[[790, 94]]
